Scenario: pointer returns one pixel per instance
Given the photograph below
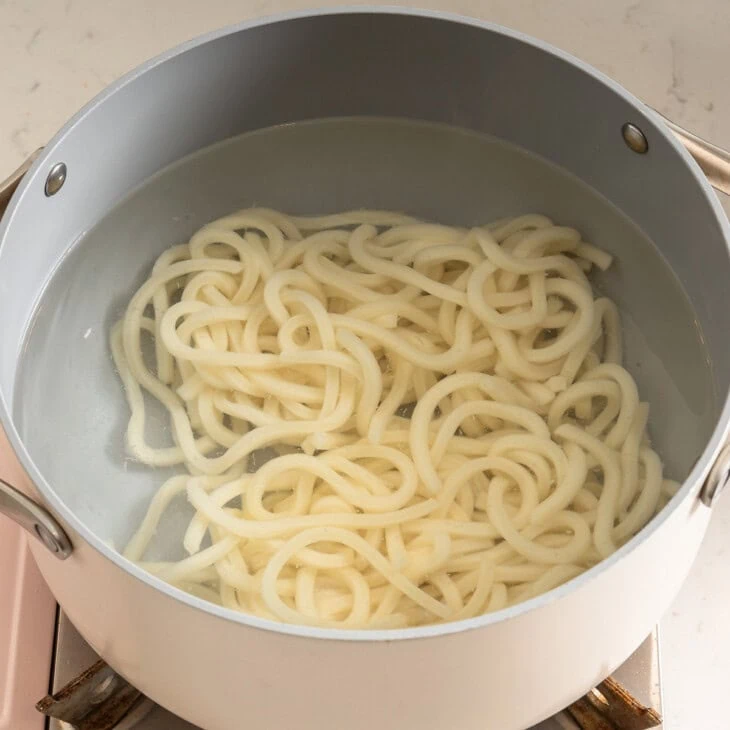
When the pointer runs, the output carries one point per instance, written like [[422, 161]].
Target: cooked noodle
[[451, 428]]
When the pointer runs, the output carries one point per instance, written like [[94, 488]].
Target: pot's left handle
[[33, 518], [8, 185]]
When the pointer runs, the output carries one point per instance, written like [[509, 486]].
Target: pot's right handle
[[718, 477], [713, 160], [715, 163]]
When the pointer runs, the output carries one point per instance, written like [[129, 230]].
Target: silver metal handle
[[713, 160], [715, 164], [718, 478], [35, 520], [11, 182]]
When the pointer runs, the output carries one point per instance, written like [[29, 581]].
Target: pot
[[505, 670]]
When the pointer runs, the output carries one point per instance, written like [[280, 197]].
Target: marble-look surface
[[57, 54]]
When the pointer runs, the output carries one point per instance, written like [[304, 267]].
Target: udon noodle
[[383, 422]]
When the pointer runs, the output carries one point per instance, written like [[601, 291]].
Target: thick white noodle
[[448, 427]]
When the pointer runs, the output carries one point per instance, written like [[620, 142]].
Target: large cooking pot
[[223, 670]]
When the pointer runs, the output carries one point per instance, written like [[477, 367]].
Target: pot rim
[[690, 486]]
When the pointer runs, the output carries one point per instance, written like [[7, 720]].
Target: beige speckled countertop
[[674, 54]]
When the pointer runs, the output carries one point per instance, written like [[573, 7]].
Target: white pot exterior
[[508, 675]]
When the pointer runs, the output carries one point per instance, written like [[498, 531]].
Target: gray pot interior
[[505, 127]]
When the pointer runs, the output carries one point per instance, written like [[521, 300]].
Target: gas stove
[[44, 653]]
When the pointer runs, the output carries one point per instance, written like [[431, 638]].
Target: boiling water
[[69, 401]]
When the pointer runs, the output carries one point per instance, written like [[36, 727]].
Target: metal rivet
[[56, 178], [635, 139], [46, 538]]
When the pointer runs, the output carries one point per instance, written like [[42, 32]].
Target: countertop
[[674, 54]]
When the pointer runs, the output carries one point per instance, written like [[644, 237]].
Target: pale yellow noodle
[[438, 416]]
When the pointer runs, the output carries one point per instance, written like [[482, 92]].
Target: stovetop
[[640, 675]]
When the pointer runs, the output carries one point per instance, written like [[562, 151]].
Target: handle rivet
[[635, 139], [46, 538], [56, 178]]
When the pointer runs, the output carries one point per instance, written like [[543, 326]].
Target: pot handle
[[35, 520], [713, 160], [10, 183]]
